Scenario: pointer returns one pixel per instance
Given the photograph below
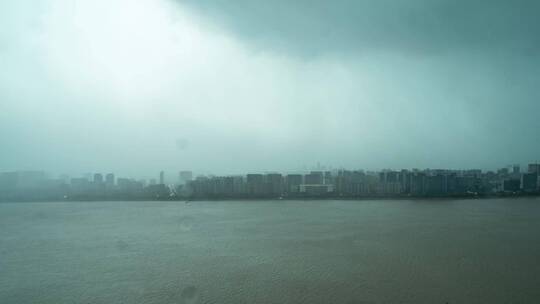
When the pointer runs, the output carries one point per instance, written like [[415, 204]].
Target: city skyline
[[319, 183], [173, 175]]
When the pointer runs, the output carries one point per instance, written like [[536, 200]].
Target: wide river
[[425, 251]]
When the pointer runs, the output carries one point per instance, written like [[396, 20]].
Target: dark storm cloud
[[466, 68], [317, 26]]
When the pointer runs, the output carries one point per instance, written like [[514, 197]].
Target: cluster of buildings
[[359, 183], [35, 185]]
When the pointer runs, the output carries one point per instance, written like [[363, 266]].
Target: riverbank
[[284, 198]]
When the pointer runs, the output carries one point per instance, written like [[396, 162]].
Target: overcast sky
[[135, 87]]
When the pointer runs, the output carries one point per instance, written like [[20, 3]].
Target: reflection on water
[[469, 251]]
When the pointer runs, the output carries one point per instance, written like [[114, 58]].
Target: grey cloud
[[317, 26]]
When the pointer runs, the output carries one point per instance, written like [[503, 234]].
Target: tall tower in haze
[[98, 178], [162, 177], [109, 179]]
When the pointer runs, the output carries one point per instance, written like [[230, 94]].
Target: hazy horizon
[[233, 87]]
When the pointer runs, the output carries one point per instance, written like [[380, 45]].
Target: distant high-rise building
[[293, 182], [473, 172], [109, 179], [534, 168], [152, 181], [314, 178], [529, 181], [511, 185], [388, 176], [255, 184], [435, 185], [274, 184], [503, 171], [98, 178], [327, 177], [516, 169], [185, 177], [418, 183], [404, 178], [129, 185], [162, 177]]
